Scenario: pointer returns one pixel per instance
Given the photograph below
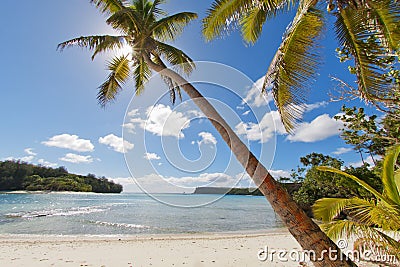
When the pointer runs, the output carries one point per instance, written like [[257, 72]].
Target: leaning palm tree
[[146, 28], [370, 220], [367, 31]]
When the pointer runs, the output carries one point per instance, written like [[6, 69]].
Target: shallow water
[[127, 213]]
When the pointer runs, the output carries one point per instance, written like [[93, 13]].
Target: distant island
[[290, 187], [18, 175]]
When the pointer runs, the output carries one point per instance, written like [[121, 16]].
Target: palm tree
[[368, 31], [367, 219], [146, 28]]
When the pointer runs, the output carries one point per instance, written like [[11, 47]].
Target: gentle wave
[[121, 225], [55, 212]]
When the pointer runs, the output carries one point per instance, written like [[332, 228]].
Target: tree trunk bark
[[304, 230]]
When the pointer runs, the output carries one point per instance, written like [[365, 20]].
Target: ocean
[[131, 214]]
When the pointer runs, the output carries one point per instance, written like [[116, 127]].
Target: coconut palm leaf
[[327, 209], [353, 31], [390, 185], [168, 28], [294, 64], [386, 17], [346, 229], [141, 74], [120, 72], [221, 16], [354, 178], [97, 43], [224, 15], [126, 20], [175, 56], [252, 24], [109, 6]]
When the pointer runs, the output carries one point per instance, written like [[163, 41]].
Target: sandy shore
[[220, 249]]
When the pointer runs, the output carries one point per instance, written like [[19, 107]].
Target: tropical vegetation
[[367, 31], [146, 28], [17, 175], [374, 219]]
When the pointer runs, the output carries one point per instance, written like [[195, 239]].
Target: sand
[[222, 249]]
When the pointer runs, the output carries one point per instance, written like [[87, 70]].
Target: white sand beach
[[222, 249], [159, 250]]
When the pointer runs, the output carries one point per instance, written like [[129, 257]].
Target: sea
[[132, 214]]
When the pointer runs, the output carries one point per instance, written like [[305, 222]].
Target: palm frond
[[109, 6], [156, 10], [252, 24], [344, 229], [294, 65], [120, 72], [176, 57], [97, 43], [224, 15], [327, 209], [127, 20], [386, 18], [390, 188], [168, 28], [353, 32], [141, 74], [369, 188]]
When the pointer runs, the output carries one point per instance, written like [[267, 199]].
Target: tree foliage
[[369, 134], [367, 31], [17, 175], [370, 218], [317, 184]]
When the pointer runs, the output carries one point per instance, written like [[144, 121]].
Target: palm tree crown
[[368, 31], [145, 28]]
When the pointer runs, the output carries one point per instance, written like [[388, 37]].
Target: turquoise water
[[125, 214]]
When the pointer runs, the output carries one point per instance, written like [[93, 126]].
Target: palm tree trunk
[[304, 230]]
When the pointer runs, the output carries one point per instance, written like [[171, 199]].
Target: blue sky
[[51, 116]]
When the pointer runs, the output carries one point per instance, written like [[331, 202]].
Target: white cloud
[[116, 143], [279, 173], [207, 138], [254, 96], [368, 160], [68, 141], [246, 113], [161, 121], [133, 112], [320, 128], [342, 150], [216, 179], [75, 158], [151, 156], [27, 158], [47, 163], [30, 152], [263, 131]]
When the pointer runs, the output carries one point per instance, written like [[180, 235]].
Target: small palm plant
[[370, 220]]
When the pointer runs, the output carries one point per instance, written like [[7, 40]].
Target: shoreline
[[224, 249], [203, 249]]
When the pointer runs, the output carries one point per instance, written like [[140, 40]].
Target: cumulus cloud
[[69, 141], [368, 160], [47, 163], [263, 131], [279, 173], [342, 150], [320, 128], [254, 96], [151, 156], [75, 158], [207, 138], [30, 152], [161, 121], [116, 143]]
